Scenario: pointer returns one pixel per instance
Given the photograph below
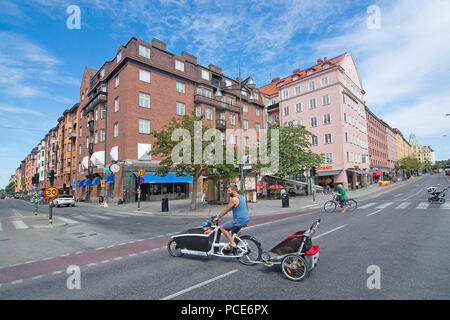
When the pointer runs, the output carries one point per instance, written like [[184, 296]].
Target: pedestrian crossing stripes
[[403, 205], [384, 205], [67, 220], [423, 205], [367, 205], [19, 224]]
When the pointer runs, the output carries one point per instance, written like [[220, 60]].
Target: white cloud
[[25, 111]]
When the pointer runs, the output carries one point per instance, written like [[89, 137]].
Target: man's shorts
[[233, 225]]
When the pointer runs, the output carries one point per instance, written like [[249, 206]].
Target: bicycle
[[332, 205]]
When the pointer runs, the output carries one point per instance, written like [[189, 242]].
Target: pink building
[[328, 99]]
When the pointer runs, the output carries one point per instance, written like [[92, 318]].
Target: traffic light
[[35, 179], [51, 177], [313, 171]]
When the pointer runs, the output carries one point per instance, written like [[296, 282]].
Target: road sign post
[[140, 172], [50, 193]]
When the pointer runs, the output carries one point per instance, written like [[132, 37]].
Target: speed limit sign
[[51, 192], [141, 172]]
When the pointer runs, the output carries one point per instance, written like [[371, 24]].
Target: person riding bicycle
[[342, 197], [240, 215]]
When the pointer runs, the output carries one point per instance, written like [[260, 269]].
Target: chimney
[[275, 79], [159, 44], [296, 71], [319, 61], [215, 68], [189, 57], [325, 59]]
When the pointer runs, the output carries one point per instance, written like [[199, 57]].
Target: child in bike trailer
[[343, 197]]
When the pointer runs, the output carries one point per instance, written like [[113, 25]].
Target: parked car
[[64, 201], [2, 196]]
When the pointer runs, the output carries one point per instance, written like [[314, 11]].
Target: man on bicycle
[[343, 197], [240, 215]]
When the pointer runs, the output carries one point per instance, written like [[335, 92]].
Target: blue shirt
[[240, 213]]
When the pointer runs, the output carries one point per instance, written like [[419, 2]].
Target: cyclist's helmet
[[206, 223]]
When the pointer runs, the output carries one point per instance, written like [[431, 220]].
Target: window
[[102, 135], [144, 126], [102, 73], [96, 137], [230, 100], [298, 90], [102, 113], [314, 141], [258, 127], [144, 75], [96, 116], [117, 81], [207, 93], [312, 103], [180, 108], [285, 94], [180, 87], [144, 51], [116, 105], [326, 118], [245, 124], [198, 111], [346, 137], [345, 117], [298, 107], [205, 74], [328, 157], [324, 81], [69, 147], [325, 100], [228, 83], [116, 130], [328, 138], [246, 141], [87, 142], [81, 131], [208, 114], [79, 149], [119, 57], [232, 138], [144, 100], [311, 85], [313, 122], [179, 65], [232, 119], [245, 107], [257, 112], [286, 111]]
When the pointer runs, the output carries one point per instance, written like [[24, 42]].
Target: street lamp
[[247, 85]]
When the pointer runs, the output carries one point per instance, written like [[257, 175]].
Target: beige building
[[404, 149], [18, 187], [422, 153]]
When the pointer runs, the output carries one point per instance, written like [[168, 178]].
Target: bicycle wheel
[[329, 206], [253, 253], [173, 249], [294, 267], [351, 204]]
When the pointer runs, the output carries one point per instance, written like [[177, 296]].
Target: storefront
[[328, 178], [358, 178], [155, 187]]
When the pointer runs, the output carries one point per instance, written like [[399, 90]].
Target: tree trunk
[[194, 191]]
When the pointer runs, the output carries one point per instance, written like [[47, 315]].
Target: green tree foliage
[[10, 188], [408, 163]]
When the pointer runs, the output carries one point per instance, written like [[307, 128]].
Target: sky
[[401, 48]]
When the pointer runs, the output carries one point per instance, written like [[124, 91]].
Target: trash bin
[[285, 200], [165, 204]]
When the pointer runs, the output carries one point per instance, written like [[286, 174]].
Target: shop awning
[[328, 173], [360, 171], [80, 183], [110, 178], [96, 180], [168, 178], [87, 182]]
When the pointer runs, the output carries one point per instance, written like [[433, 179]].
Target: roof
[[298, 74]]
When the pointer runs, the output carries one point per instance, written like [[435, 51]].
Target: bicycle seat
[[237, 229]]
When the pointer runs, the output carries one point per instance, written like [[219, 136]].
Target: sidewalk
[[180, 208]]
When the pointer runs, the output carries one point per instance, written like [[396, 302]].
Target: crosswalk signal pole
[[50, 203]]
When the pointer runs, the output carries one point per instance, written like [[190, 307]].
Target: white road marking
[[37, 277], [19, 224], [199, 285], [423, 206], [445, 205], [17, 281], [67, 220], [415, 194], [17, 213], [403, 205], [332, 230], [398, 195], [82, 218], [57, 272], [384, 205], [370, 214], [368, 205], [101, 217]]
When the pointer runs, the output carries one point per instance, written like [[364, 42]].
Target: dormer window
[[326, 65], [294, 78], [309, 72], [119, 57], [102, 73]]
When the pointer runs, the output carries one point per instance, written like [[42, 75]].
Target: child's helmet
[[206, 223]]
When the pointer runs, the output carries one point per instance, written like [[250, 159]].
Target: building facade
[[378, 142], [403, 147], [328, 99]]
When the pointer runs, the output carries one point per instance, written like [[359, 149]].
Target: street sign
[[51, 192], [141, 180], [141, 172], [102, 183]]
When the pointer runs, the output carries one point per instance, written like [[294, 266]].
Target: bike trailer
[[194, 239], [292, 244], [312, 257]]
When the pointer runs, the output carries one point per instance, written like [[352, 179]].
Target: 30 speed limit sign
[[51, 192]]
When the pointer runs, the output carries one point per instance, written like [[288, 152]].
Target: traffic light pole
[[50, 203]]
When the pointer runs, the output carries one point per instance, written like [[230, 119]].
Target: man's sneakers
[[230, 250]]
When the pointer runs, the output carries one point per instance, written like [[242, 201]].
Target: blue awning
[[81, 183], [96, 180], [87, 182], [110, 178], [168, 178]]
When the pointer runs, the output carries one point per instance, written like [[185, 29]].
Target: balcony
[[218, 104], [72, 135], [221, 124], [99, 97], [91, 148]]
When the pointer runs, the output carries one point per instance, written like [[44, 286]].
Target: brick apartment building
[[140, 90], [30, 170], [378, 142]]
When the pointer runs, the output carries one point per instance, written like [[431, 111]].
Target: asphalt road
[[399, 233]]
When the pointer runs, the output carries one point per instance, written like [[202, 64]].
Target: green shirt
[[343, 193]]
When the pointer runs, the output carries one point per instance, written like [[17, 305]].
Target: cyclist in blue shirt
[[240, 214]]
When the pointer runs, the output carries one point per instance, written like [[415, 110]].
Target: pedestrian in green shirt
[[343, 197]]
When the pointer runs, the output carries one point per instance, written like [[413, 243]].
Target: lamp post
[[247, 85]]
